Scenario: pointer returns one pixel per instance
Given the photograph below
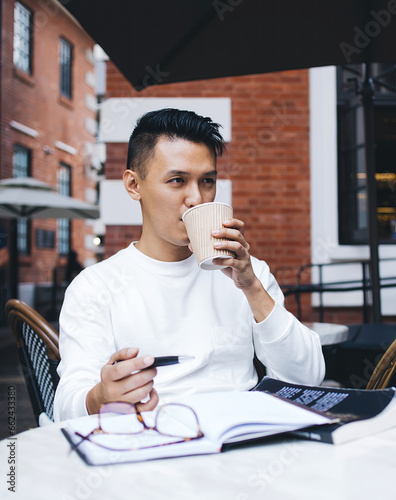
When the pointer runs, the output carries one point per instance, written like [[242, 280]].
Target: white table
[[329, 333], [283, 470]]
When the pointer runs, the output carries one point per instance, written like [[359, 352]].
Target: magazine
[[360, 412]]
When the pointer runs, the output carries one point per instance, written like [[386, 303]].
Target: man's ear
[[131, 183]]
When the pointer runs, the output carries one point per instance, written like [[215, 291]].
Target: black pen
[[166, 361], [169, 360]]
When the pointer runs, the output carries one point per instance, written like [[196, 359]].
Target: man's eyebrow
[[182, 172]]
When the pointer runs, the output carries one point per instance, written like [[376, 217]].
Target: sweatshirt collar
[[178, 268]]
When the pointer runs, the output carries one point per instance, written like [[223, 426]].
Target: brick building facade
[[54, 128], [282, 163], [267, 159]]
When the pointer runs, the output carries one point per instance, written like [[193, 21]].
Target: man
[[151, 298]]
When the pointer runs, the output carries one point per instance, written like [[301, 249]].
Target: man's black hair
[[173, 124]]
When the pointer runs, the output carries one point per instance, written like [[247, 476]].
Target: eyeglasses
[[122, 427]]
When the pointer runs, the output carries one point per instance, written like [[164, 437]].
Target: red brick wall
[[267, 162], [35, 101]]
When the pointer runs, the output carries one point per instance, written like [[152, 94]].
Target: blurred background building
[[48, 131], [294, 171]]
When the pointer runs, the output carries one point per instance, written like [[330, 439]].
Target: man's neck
[[165, 253]]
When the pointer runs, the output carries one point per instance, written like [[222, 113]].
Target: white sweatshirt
[[175, 308]]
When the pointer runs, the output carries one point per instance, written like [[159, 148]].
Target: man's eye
[[209, 180], [176, 180]]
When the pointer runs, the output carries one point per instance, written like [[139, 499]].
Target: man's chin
[[187, 243], [182, 242]]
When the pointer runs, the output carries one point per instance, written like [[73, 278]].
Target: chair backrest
[[384, 374], [38, 351]]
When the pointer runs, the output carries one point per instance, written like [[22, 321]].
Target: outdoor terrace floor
[[11, 376]]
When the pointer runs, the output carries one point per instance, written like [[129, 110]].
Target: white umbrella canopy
[[31, 198]]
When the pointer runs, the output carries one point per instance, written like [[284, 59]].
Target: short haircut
[[172, 124]]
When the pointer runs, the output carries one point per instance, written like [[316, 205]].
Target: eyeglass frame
[[99, 429]]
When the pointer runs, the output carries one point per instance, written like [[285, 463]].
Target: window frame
[[325, 245], [64, 225], [28, 67], [352, 185], [24, 226], [66, 69]]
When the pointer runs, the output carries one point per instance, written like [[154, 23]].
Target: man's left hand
[[239, 268]]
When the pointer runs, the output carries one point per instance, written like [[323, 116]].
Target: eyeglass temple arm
[[74, 446]]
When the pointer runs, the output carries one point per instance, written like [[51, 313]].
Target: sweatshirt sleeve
[[289, 350], [84, 344]]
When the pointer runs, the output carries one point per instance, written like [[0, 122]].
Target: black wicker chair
[[384, 374], [38, 351]]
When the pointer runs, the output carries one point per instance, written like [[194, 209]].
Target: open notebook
[[224, 417]]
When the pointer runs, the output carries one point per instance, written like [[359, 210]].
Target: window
[[65, 63], [352, 187], [22, 38], [21, 161], [45, 238], [64, 187], [21, 168]]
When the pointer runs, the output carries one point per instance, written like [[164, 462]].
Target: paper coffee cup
[[200, 221]]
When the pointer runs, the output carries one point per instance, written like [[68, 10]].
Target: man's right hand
[[123, 378]]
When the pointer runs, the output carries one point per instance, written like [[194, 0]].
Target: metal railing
[[362, 284]]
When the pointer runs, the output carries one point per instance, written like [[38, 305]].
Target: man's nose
[[194, 197]]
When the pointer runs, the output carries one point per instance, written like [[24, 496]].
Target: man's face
[[181, 175]]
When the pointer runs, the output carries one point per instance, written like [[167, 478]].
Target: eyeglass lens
[[172, 420], [119, 418], [177, 420]]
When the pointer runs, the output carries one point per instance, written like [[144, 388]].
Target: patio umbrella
[[33, 199], [156, 42]]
